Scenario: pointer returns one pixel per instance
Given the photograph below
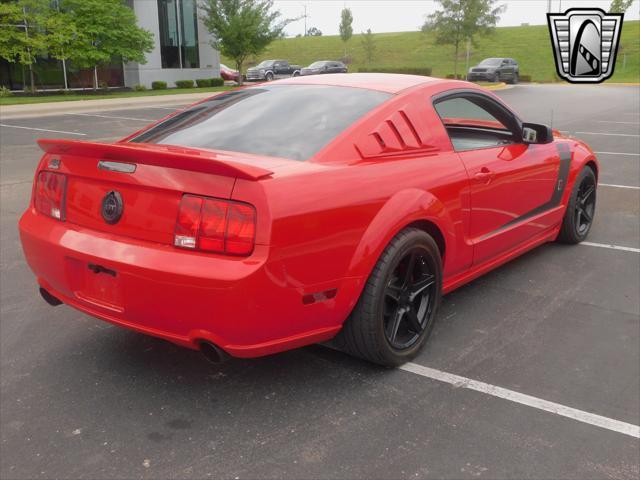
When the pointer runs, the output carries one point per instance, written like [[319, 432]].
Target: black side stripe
[[563, 173]]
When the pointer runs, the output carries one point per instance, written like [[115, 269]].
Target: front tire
[[580, 212], [269, 77], [397, 308]]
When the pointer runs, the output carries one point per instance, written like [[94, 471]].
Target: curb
[[102, 105], [497, 86]]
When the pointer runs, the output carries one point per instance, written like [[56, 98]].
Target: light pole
[[304, 5]]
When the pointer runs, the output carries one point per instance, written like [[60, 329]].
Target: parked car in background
[[495, 70], [324, 66], [271, 70], [229, 74]]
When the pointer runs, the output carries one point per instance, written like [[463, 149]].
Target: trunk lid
[[150, 180]]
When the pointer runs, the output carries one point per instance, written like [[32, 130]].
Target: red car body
[[320, 225], [229, 74]]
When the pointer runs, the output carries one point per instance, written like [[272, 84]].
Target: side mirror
[[536, 133]]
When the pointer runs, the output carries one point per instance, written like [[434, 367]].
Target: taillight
[[50, 193], [215, 225]]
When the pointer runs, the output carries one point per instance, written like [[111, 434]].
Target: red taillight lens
[[50, 192], [215, 225], [241, 229], [214, 217], [188, 223]]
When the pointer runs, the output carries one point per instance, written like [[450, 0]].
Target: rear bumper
[[185, 297]]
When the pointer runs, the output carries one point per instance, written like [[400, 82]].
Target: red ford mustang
[[280, 215]]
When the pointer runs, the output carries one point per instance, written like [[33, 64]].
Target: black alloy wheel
[[581, 209], [585, 205], [408, 300], [398, 306]]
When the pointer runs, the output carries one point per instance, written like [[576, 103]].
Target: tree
[[369, 45], [242, 27], [103, 29], [314, 32], [61, 33], [620, 6], [20, 36], [346, 30], [461, 20]]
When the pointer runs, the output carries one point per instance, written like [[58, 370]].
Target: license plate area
[[96, 284]]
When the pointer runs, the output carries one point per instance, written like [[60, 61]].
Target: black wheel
[[581, 209], [396, 311], [269, 76], [296, 74], [495, 78], [514, 79]]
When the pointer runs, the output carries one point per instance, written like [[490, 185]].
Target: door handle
[[484, 175]]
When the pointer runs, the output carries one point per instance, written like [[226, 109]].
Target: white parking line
[[613, 121], [40, 129], [617, 153], [610, 134], [612, 247], [618, 186], [523, 399], [113, 117]]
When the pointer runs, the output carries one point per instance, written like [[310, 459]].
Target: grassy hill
[[530, 45]]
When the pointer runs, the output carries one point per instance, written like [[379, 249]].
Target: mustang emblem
[[112, 207]]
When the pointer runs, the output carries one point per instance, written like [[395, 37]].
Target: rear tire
[[580, 212], [395, 313], [515, 79]]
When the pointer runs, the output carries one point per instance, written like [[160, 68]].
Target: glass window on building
[[178, 22]]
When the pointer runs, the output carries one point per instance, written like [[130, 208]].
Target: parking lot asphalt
[[80, 398]]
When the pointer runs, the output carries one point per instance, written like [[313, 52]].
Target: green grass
[[530, 45], [18, 100]]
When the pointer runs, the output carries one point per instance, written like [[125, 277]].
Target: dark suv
[[272, 70], [324, 66], [495, 70]]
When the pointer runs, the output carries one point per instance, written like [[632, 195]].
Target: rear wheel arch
[[435, 232], [408, 208], [593, 166]]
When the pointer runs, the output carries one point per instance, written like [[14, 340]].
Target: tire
[[269, 77], [578, 217], [513, 79], [377, 330], [495, 78], [296, 74]]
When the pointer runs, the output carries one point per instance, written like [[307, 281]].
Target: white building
[[182, 50]]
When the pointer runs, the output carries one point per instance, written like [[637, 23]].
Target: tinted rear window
[[289, 121]]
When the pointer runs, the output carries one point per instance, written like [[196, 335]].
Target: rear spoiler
[[158, 155]]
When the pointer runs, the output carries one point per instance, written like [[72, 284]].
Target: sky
[[408, 15]]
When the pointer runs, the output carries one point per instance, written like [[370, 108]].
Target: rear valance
[[159, 155]]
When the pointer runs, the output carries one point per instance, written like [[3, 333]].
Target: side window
[[474, 122]]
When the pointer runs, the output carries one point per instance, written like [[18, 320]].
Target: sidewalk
[[101, 105]]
